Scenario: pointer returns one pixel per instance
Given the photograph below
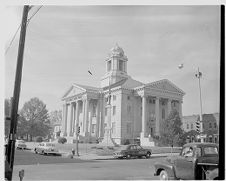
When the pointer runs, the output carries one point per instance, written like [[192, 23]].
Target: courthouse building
[[129, 108]]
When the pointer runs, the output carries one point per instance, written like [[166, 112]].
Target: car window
[[210, 150], [187, 151], [198, 151], [139, 147]]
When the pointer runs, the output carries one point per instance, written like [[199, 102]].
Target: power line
[[28, 21]]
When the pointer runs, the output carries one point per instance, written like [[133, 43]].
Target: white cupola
[[116, 67]]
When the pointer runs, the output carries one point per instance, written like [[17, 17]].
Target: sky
[[64, 42]]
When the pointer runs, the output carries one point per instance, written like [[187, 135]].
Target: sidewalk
[[92, 156]]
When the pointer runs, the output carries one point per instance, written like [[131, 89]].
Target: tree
[[171, 131], [55, 117], [35, 118]]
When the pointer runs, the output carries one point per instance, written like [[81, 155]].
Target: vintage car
[[132, 150], [46, 148], [197, 161], [20, 144]]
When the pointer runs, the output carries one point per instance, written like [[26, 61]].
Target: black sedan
[[132, 150]]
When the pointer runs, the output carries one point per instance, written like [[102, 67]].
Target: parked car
[[46, 148], [197, 161], [132, 150], [20, 144]]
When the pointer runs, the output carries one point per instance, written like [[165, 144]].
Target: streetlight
[[199, 75], [200, 122]]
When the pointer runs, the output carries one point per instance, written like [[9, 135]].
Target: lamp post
[[199, 75]]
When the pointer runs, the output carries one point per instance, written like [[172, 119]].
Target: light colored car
[[20, 144], [46, 148]]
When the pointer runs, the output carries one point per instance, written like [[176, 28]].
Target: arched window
[[120, 65]]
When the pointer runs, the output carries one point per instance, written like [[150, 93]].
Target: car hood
[[171, 159]]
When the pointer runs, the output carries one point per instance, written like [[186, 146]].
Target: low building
[[56, 130], [210, 127]]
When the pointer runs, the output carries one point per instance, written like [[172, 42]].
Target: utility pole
[[16, 93], [199, 75], [77, 138]]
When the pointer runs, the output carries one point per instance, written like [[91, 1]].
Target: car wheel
[[163, 175], [148, 155], [128, 156]]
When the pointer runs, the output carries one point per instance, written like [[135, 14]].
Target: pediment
[[74, 90], [165, 85]]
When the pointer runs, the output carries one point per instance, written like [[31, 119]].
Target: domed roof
[[116, 50]]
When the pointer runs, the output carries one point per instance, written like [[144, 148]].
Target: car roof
[[200, 144]]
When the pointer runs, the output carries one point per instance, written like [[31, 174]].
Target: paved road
[[63, 169], [27, 157]]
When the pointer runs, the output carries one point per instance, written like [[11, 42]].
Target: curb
[[96, 157]]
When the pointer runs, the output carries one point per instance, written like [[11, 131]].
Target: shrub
[[62, 140], [39, 139]]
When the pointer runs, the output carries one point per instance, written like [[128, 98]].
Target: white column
[[83, 115], [157, 123], [87, 115], [69, 120], [144, 116], [97, 118], [73, 119], [63, 121], [90, 119], [169, 106], [77, 113]]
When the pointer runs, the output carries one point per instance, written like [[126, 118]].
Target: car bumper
[[118, 155], [51, 152]]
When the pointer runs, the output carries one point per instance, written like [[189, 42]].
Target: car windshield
[[20, 141], [50, 144], [210, 150]]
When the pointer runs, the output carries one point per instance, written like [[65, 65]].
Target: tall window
[[187, 126], [129, 128], [215, 125], [210, 125], [120, 65], [94, 110], [114, 110], [128, 109], [114, 97], [93, 128], [109, 66], [106, 111], [113, 128], [191, 126], [163, 113]]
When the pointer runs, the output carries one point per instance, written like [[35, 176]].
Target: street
[[58, 168]]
